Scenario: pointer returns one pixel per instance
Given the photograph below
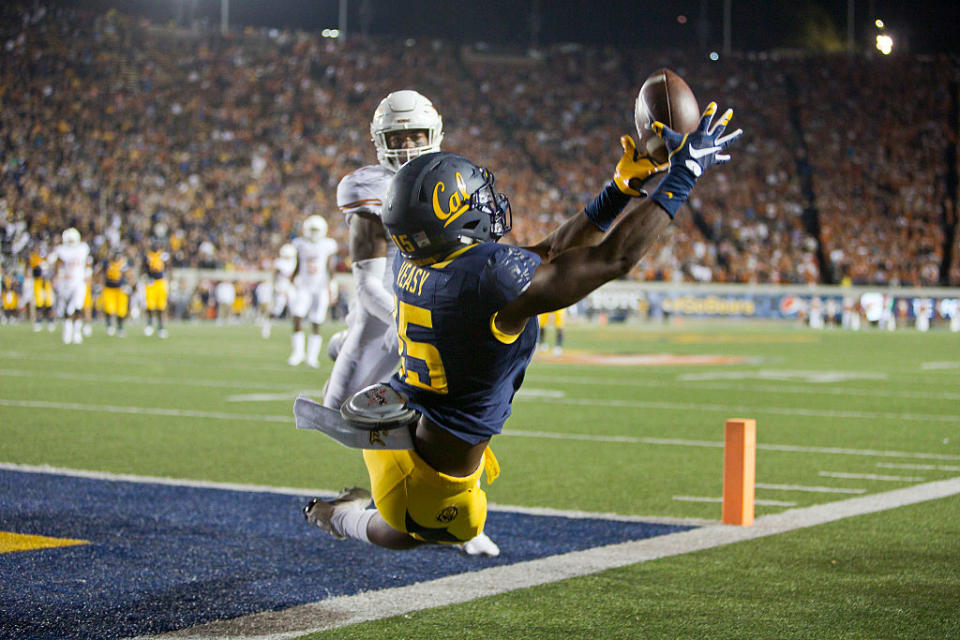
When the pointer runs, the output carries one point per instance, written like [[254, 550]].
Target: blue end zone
[[164, 557]]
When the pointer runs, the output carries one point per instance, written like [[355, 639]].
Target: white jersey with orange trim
[[368, 353], [313, 257], [71, 277], [363, 191], [74, 258]]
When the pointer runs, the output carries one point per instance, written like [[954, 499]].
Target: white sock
[[67, 331], [298, 341], [313, 347], [352, 523]]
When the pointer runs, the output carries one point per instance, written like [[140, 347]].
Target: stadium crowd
[[222, 145]]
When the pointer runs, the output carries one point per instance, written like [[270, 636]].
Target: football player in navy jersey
[[467, 321]]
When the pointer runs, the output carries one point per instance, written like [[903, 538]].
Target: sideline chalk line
[[347, 610]]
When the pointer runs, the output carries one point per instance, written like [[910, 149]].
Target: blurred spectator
[[223, 145]]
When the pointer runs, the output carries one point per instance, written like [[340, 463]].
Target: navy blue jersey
[[455, 367]]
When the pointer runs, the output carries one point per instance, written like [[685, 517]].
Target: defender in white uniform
[[279, 292], [311, 284], [70, 263], [405, 125]]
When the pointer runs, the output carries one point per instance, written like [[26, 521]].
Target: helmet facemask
[[315, 228], [439, 202], [405, 111], [486, 200]]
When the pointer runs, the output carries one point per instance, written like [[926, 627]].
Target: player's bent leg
[[346, 516], [322, 513], [414, 498], [383, 535]]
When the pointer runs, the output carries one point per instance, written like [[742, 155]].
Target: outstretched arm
[[574, 273], [632, 172]]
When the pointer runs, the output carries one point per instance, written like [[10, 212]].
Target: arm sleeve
[[368, 280]]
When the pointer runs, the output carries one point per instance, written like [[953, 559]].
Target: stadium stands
[[120, 127]]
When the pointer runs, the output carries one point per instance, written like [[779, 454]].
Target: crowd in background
[[222, 145]]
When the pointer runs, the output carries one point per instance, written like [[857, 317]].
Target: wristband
[[605, 208], [674, 190]]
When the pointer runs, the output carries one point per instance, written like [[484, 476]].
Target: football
[[664, 97]]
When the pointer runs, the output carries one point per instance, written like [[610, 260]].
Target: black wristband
[[605, 208]]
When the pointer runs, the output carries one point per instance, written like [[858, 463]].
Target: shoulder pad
[[506, 274], [363, 190]]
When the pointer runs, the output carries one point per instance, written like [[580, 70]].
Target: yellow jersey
[[156, 264], [116, 272]]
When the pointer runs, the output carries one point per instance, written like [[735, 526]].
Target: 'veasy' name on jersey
[[411, 278]]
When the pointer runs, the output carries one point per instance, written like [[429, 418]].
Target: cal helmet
[[314, 228], [288, 251], [440, 201], [400, 111], [71, 237]]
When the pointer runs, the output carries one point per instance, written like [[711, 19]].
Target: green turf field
[[839, 415]]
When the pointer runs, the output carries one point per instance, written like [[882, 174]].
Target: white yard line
[[376, 605], [807, 489], [96, 378], [175, 482], [762, 503], [153, 411], [596, 381], [117, 358], [933, 366], [754, 410], [918, 467], [868, 476], [246, 417], [745, 385]]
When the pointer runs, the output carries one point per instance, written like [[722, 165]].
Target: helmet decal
[[440, 201], [458, 203]]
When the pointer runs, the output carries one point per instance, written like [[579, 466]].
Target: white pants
[[310, 304], [367, 356], [70, 295], [282, 294]]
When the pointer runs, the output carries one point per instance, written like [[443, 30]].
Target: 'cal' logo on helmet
[[458, 203]]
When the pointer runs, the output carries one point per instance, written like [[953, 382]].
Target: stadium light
[[884, 44], [879, 23]]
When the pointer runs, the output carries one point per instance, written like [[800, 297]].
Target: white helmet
[[288, 251], [71, 237], [314, 228], [402, 110]]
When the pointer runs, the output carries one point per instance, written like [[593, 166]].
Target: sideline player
[[116, 292], [70, 263], [405, 125], [42, 286], [311, 281], [281, 289], [558, 321], [463, 322], [11, 298], [156, 293]]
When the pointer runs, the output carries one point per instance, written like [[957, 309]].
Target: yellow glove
[[633, 166]]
